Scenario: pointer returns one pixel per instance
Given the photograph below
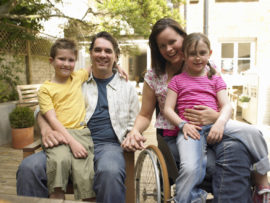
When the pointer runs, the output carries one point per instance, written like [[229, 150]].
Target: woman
[[231, 177]]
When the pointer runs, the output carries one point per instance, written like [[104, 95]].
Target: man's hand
[[51, 138], [133, 141]]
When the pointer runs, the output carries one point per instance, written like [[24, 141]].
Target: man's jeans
[[32, 177], [109, 178], [110, 173]]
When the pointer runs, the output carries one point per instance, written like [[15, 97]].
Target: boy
[[62, 104]]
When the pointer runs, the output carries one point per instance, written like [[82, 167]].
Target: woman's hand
[[122, 72], [133, 141], [201, 115]]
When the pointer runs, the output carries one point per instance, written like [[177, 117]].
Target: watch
[[181, 125]]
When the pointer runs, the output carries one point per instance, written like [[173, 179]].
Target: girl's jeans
[[193, 160]]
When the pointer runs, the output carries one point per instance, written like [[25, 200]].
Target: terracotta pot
[[22, 137]]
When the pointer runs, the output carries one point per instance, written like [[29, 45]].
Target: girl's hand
[[77, 149], [216, 133], [191, 131], [122, 73], [201, 115]]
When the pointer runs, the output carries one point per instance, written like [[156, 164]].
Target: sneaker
[[261, 194]]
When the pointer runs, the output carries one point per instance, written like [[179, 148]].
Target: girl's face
[[170, 45], [63, 63], [196, 58]]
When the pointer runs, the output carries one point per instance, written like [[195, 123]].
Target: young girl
[[199, 85]]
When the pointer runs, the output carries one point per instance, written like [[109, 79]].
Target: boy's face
[[63, 63]]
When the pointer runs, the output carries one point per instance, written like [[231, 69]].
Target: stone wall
[[5, 130]]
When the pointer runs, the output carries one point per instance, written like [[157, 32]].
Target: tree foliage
[[136, 17], [119, 17]]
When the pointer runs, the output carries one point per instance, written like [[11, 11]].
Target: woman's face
[[170, 45]]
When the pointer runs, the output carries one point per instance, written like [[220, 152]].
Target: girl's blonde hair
[[193, 39]]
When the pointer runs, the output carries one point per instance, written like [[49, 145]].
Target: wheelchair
[[156, 172]]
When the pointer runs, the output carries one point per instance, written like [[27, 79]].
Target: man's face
[[102, 56]]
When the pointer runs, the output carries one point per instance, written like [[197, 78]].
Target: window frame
[[236, 59]]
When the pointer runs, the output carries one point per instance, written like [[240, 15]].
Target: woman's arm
[[172, 116], [216, 132], [134, 140]]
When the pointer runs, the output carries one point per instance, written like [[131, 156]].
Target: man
[[111, 107]]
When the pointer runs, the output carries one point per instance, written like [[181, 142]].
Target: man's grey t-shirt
[[100, 123]]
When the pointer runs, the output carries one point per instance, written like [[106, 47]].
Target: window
[[237, 57]]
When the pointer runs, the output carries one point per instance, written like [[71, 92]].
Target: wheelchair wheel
[[151, 176]]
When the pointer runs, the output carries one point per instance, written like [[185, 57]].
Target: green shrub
[[21, 117], [244, 99]]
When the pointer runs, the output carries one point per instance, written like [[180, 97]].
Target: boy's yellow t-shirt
[[66, 99]]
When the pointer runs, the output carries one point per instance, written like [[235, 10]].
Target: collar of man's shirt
[[112, 83]]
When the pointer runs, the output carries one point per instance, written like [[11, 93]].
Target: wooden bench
[[28, 95]]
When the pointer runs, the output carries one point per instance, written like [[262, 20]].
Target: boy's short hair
[[63, 43]]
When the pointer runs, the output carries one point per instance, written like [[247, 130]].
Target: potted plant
[[22, 126]]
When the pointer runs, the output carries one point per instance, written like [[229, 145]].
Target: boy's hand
[[77, 149], [191, 131], [216, 133]]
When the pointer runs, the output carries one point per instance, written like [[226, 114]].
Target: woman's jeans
[[234, 160], [109, 180]]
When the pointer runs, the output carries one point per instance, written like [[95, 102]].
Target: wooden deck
[[9, 161]]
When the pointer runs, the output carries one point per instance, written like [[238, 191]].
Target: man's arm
[[50, 137], [77, 149], [133, 140]]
